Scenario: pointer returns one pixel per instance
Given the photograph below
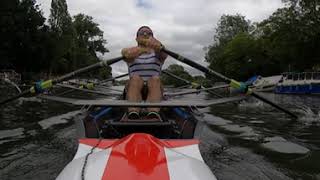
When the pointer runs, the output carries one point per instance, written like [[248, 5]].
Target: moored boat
[[299, 83], [266, 84]]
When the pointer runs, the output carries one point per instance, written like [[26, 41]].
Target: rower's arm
[[162, 56], [129, 54]]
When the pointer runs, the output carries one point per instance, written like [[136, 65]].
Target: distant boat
[[265, 84], [299, 83]]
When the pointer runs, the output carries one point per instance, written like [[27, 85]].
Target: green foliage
[[63, 34], [289, 40], [89, 34], [22, 35], [31, 47], [228, 28], [88, 41]]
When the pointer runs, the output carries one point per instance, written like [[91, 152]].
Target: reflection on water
[[291, 145], [246, 141]]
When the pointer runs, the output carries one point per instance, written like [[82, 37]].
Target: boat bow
[[138, 156]]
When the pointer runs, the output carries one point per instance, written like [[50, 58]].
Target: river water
[[250, 140]]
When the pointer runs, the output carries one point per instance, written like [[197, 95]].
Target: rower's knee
[[154, 82], [136, 81]]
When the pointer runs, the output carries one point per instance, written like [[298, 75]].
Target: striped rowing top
[[146, 66]]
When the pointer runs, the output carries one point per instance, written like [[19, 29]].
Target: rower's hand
[[133, 52], [151, 43]]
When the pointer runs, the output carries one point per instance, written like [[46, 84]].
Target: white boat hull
[[138, 156]]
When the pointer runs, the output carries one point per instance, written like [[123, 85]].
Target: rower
[[144, 65]]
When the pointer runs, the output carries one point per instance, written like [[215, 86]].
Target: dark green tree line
[[65, 44], [289, 40], [22, 35]]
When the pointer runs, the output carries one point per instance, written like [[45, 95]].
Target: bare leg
[[134, 91], [154, 92]]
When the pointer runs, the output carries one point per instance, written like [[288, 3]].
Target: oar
[[104, 87], [188, 82], [49, 83], [100, 84], [176, 77], [113, 78], [195, 91], [233, 83], [88, 90]]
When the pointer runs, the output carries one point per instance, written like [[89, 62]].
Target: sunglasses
[[145, 33]]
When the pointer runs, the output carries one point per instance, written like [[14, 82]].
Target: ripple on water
[[237, 129], [61, 119], [214, 120], [281, 145], [11, 133], [256, 122]]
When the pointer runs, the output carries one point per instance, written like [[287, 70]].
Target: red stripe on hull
[[138, 156]]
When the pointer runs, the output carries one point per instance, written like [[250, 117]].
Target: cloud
[[185, 26]]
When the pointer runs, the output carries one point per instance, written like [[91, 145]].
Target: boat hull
[[137, 156], [298, 89]]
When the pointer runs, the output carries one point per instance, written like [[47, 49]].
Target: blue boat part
[[298, 89], [181, 113], [101, 113]]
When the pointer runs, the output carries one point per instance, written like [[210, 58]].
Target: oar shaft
[[88, 68], [273, 104], [188, 82], [197, 91], [177, 77], [87, 90], [111, 79], [196, 65]]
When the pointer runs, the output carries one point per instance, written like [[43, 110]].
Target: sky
[[183, 26]]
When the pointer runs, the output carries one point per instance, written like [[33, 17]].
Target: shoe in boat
[[154, 115], [133, 115]]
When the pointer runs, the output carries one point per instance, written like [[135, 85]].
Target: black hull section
[[177, 123]]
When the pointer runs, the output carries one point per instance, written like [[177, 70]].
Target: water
[[246, 141]]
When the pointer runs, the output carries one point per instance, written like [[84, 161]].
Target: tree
[[22, 35], [229, 26], [88, 41], [62, 33], [294, 36]]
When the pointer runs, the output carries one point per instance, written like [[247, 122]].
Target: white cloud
[[185, 26]]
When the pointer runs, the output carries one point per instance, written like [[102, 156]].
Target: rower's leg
[[154, 92], [134, 91]]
